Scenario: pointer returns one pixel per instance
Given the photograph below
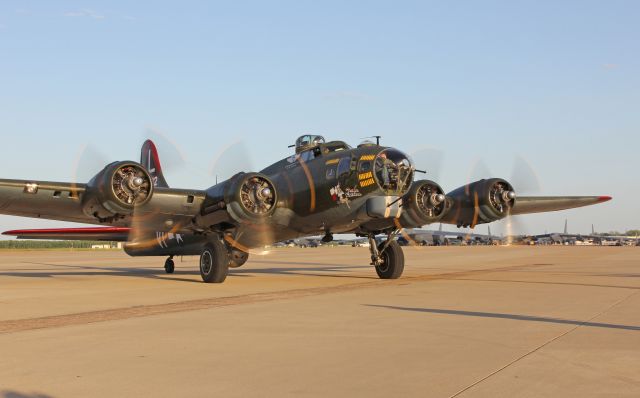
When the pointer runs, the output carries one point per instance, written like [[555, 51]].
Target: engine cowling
[[246, 197], [117, 190], [425, 203], [479, 202]]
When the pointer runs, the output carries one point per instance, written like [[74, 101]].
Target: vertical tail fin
[[566, 224], [150, 160]]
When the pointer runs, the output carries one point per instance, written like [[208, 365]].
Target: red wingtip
[[604, 198]]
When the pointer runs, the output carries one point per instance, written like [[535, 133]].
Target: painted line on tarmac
[[83, 318]]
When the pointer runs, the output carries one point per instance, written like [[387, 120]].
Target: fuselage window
[[331, 173], [344, 167], [364, 167]]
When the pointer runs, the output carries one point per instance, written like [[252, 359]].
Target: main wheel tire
[[214, 262], [238, 258], [392, 261], [169, 266]]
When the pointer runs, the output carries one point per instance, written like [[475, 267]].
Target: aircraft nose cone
[[138, 181], [266, 192]]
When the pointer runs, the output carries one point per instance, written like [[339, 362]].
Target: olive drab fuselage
[[324, 189]]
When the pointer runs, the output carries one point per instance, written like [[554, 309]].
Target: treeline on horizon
[[51, 244]]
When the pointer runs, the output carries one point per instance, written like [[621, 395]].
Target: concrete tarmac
[[461, 322]]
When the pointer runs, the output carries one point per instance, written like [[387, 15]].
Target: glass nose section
[[394, 172]]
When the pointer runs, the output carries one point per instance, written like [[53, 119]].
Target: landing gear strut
[[169, 265], [387, 257]]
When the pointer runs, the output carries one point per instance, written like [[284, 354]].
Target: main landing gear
[[214, 262], [387, 257], [169, 265]]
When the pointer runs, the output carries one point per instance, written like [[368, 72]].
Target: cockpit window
[[394, 172], [308, 141], [338, 146], [307, 156]]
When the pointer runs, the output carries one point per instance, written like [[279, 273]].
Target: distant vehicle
[[360, 243]]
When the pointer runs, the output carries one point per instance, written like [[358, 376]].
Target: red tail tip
[[604, 198]]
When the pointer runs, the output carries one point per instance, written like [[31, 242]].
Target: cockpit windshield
[[309, 141], [394, 172]]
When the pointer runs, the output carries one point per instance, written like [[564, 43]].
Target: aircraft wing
[[540, 204], [43, 199], [111, 234], [168, 207]]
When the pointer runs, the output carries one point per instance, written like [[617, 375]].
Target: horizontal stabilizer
[[111, 234], [540, 204]]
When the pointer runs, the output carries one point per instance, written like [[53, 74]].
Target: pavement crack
[[538, 348]]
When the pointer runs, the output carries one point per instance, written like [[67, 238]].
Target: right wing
[[168, 208], [43, 199], [541, 204]]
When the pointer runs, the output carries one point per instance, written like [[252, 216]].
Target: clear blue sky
[[557, 82]]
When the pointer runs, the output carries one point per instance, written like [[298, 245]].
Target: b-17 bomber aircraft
[[324, 188]]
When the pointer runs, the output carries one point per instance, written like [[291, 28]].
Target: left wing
[[110, 234]]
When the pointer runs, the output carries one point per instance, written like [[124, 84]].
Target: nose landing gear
[[387, 257]]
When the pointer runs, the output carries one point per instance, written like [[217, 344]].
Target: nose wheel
[[387, 257], [169, 266]]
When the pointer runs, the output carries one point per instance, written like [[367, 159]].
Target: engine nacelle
[[425, 203], [117, 190], [247, 197], [480, 202]]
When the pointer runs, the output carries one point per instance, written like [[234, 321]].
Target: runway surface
[[461, 322]]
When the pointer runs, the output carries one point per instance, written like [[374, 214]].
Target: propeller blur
[[323, 188]]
